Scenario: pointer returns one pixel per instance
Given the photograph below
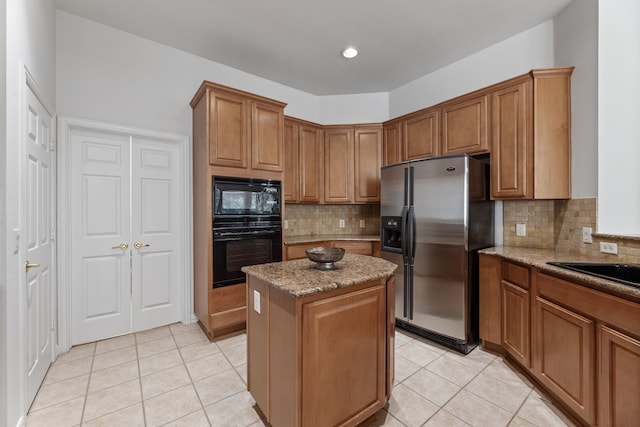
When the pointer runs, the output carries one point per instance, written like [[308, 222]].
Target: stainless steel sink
[[629, 274]]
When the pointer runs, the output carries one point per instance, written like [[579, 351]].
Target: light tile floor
[[173, 376]]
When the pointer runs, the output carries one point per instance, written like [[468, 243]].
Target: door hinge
[[53, 144], [54, 323]]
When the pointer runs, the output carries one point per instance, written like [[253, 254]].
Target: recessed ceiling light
[[350, 52]]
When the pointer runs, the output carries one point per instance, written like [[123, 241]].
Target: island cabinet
[[352, 160], [304, 161], [243, 131], [320, 352], [531, 136], [584, 344]]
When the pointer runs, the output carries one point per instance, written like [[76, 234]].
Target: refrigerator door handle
[[409, 294], [411, 235]]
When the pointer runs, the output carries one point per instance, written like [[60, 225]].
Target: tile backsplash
[[557, 225], [310, 220]]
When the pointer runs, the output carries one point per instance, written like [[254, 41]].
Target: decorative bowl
[[325, 257]]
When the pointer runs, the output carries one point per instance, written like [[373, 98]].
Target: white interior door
[[38, 219], [100, 236], [127, 214], [156, 207]]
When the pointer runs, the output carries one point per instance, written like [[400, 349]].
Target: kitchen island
[[320, 344]]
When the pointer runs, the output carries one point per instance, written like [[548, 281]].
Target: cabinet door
[[618, 376], [515, 322], [311, 148], [512, 143], [367, 152], [228, 130], [421, 136], [465, 126], [490, 300], [564, 356], [266, 137], [291, 183], [350, 378], [338, 166], [392, 144]]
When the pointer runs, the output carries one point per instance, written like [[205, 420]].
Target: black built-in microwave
[[234, 196]]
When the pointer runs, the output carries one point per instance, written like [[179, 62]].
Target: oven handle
[[238, 235]]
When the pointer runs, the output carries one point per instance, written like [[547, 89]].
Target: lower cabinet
[[580, 344], [323, 359], [564, 356], [618, 379]]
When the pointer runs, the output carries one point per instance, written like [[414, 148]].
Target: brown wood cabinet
[[465, 126], [243, 131], [490, 295], [338, 165], [352, 160], [564, 360], [421, 135], [235, 133], [531, 137], [584, 343], [304, 162], [516, 312], [618, 374], [328, 352], [392, 143]]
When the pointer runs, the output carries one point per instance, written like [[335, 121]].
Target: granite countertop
[[300, 278], [292, 240], [538, 258]]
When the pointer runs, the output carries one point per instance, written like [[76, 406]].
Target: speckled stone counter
[[300, 277], [294, 240], [539, 258]]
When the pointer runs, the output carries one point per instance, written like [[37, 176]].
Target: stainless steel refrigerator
[[435, 215]]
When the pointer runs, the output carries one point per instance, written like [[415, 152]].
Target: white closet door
[[100, 235], [37, 219], [156, 206]]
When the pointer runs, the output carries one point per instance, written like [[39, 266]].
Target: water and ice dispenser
[[391, 233]]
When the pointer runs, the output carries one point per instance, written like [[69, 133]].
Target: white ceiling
[[298, 42]]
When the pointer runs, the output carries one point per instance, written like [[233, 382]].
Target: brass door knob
[[122, 246], [139, 245], [28, 265]]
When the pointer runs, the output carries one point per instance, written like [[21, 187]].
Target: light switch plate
[[341, 223], [521, 230], [362, 223], [609, 248], [586, 235], [256, 301]]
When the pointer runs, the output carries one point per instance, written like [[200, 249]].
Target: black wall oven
[[247, 226]]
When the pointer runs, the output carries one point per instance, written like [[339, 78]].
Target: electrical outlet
[[586, 235], [286, 224], [521, 230], [341, 223], [362, 223], [609, 248]]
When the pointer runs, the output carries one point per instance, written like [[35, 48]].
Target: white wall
[[576, 43], [511, 57], [619, 117], [109, 75], [3, 217], [30, 43]]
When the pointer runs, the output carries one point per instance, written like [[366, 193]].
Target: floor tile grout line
[[144, 410], [86, 394]]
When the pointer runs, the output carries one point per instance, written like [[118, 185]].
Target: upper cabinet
[[244, 132], [421, 135], [304, 161], [531, 137], [352, 160], [392, 143], [465, 126], [367, 148], [524, 123]]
